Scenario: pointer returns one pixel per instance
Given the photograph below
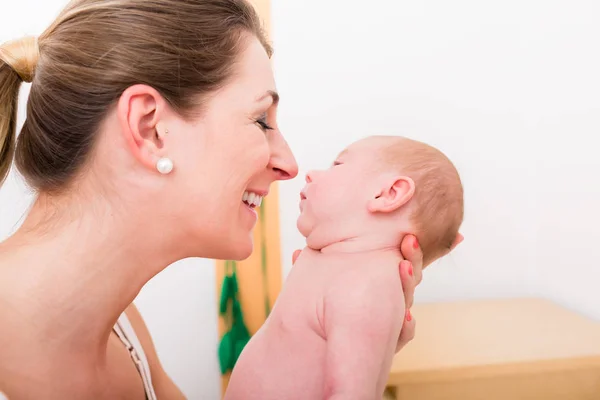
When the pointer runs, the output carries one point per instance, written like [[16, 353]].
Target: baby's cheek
[[331, 200]]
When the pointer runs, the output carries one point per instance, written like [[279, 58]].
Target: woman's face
[[227, 159]]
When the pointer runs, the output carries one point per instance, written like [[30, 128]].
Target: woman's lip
[[250, 209], [262, 193]]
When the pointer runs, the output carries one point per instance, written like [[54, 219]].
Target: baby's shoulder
[[363, 294], [366, 278]]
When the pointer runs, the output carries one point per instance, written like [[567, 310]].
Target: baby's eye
[[262, 123], [336, 163]]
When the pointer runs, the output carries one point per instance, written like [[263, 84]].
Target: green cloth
[[235, 339]]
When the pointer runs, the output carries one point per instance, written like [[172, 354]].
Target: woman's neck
[[74, 270]]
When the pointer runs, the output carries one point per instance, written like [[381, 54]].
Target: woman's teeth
[[252, 199]]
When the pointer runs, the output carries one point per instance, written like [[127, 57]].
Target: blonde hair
[[438, 202], [91, 53]]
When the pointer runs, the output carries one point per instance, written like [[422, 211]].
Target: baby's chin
[[317, 239], [307, 230], [303, 226]]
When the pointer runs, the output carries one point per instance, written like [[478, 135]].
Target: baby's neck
[[364, 244]]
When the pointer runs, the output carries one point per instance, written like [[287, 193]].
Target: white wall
[[510, 90], [564, 45], [178, 305]]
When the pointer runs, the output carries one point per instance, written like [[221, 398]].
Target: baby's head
[[379, 189]]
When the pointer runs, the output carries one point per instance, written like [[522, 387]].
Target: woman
[[148, 121]]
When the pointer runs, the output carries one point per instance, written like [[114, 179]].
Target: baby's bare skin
[[336, 325], [332, 333]]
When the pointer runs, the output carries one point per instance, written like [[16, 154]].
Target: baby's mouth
[[252, 199]]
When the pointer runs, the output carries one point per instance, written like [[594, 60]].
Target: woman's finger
[[410, 275], [457, 241], [411, 251], [408, 282], [295, 256], [408, 331]]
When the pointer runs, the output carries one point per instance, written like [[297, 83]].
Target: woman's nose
[[282, 162]]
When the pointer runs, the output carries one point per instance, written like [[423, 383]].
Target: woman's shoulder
[[163, 385]]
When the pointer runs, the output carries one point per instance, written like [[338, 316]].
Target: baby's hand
[[411, 274]]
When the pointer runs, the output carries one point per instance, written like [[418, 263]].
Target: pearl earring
[[164, 165]]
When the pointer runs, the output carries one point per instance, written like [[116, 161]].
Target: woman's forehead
[[254, 69]]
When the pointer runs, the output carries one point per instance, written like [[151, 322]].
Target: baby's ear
[[394, 193]]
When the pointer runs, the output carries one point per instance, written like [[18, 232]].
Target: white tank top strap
[[125, 332]]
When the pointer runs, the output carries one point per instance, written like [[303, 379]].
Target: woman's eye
[[262, 122], [336, 163]]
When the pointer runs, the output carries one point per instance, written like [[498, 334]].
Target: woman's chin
[[226, 248], [238, 250]]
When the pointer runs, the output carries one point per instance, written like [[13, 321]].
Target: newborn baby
[[333, 331]]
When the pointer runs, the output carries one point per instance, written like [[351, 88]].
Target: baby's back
[[286, 358]]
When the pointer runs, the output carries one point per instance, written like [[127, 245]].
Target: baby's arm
[[362, 316]]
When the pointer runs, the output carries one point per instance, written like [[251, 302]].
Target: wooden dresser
[[516, 349]]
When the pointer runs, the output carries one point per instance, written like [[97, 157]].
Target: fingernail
[[408, 316], [416, 244], [410, 270]]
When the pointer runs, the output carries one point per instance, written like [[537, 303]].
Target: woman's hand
[[411, 274]]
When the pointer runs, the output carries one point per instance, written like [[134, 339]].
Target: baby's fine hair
[[437, 206]]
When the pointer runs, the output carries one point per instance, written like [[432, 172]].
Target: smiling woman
[[137, 118]]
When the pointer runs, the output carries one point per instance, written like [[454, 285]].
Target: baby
[[333, 331]]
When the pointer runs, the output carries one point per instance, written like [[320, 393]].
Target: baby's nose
[[309, 178]]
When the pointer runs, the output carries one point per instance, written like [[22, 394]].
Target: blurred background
[[509, 90]]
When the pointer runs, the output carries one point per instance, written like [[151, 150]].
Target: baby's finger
[[408, 282], [295, 256]]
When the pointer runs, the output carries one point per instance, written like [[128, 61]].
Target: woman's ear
[[394, 194], [139, 110]]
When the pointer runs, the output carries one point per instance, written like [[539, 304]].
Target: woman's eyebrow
[[270, 93]]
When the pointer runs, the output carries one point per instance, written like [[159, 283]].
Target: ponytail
[[9, 90], [17, 64]]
